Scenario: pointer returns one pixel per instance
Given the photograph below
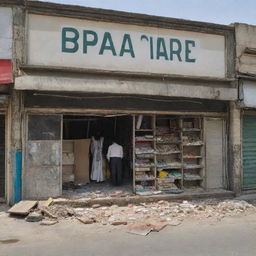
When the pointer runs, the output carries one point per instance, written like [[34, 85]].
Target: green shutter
[[249, 152]]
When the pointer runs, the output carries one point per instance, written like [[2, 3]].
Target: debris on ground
[[139, 229], [48, 222], [96, 190], [142, 218], [45, 203], [34, 217], [86, 220], [23, 207]]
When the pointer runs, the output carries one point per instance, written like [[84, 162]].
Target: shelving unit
[[168, 153], [192, 140], [144, 154]]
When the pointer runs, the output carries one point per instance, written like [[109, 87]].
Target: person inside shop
[[97, 173], [115, 156]]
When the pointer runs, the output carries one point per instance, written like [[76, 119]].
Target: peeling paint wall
[[245, 38]]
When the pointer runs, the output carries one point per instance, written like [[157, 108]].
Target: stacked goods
[[166, 149], [192, 140], [166, 184]]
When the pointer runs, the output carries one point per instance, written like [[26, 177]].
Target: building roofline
[[75, 11]]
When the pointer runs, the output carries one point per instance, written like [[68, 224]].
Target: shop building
[[6, 83], [165, 88], [246, 73]]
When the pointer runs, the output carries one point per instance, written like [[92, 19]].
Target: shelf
[[192, 145], [193, 179], [143, 170], [145, 166], [191, 130], [143, 140], [168, 135], [168, 142], [168, 167], [144, 130], [170, 179], [146, 154], [149, 179], [169, 153], [195, 167], [192, 157]]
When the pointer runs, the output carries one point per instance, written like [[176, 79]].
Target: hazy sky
[[216, 11]]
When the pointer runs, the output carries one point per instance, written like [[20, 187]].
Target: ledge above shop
[[132, 84]]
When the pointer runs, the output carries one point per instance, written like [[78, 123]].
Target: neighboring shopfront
[[164, 87], [6, 79], [246, 71]]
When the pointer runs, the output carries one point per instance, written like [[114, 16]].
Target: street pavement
[[209, 237]]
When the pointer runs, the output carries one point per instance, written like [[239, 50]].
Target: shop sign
[[5, 33], [65, 42]]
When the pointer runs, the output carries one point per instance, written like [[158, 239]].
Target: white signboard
[[5, 33], [66, 42]]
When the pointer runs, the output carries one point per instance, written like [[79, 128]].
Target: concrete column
[[235, 144], [14, 143], [15, 107]]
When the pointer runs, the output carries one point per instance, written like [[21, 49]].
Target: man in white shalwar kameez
[[97, 173]]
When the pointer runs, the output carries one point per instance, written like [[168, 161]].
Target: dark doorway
[[2, 155]]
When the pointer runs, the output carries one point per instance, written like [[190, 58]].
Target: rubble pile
[[162, 210], [96, 191], [144, 217]]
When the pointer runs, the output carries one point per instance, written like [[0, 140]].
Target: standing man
[[114, 156]]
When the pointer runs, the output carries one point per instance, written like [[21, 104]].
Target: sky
[[215, 11]]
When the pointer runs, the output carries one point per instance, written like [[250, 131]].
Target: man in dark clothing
[[114, 156]]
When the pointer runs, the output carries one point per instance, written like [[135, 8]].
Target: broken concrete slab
[[23, 207], [46, 203], [46, 212], [34, 217], [141, 229], [156, 225], [48, 222], [86, 220], [119, 222]]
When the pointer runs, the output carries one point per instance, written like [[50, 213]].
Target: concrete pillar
[[15, 107], [14, 144], [235, 144]]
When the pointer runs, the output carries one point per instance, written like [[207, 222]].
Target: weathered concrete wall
[[245, 48], [235, 148], [42, 175], [18, 48], [190, 89]]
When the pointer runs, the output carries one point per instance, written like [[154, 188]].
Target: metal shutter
[[249, 151]]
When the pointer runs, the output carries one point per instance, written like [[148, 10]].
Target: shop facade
[[246, 70], [6, 83], [165, 87]]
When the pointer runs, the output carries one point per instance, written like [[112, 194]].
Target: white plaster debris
[[172, 213]]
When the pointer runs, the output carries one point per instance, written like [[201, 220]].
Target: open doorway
[[77, 158]]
